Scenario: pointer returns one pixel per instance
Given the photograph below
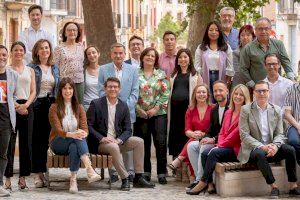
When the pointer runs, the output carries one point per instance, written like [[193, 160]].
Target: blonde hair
[[246, 94], [194, 100]]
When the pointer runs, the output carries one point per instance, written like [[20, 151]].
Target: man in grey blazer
[[261, 133], [8, 80], [129, 93]]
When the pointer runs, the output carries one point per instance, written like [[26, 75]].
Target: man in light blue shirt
[[231, 34]]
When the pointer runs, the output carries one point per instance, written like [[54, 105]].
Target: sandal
[[171, 166], [8, 187], [22, 185]]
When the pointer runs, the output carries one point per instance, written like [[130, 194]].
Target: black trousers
[[286, 152], [40, 134], [24, 126], [210, 157], [5, 133], [157, 127]]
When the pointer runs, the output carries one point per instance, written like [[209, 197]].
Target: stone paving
[[173, 190]]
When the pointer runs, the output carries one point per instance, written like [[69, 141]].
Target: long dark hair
[[144, 53], [191, 69], [222, 45], [60, 100]]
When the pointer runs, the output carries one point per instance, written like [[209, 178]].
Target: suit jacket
[[129, 85], [12, 79], [251, 129], [215, 126], [97, 117], [128, 61]]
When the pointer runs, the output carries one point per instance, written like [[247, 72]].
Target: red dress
[[193, 123]]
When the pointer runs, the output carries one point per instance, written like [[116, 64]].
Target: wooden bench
[[62, 161], [236, 179]]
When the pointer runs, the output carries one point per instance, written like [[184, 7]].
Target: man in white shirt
[[262, 137], [278, 84], [136, 46], [35, 32]]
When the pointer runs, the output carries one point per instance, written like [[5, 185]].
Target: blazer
[[56, 124], [193, 81], [229, 134], [129, 85], [251, 129], [128, 61], [12, 79], [97, 116], [215, 126]]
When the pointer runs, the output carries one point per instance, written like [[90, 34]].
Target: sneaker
[[274, 193], [4, 192], [162, 180], [295, 192], [130, 177]]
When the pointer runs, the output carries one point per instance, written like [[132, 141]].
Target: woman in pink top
[[229, 141], [69, 57]]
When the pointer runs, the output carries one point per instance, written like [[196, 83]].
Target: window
[[58, 4], [71, 7]]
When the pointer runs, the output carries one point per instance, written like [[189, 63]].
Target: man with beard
[[231, 34], [217, 113]]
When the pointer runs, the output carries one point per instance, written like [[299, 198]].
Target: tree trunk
[[99, 26], [204, 13]]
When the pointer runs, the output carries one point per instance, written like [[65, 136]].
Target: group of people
[[61, 98]]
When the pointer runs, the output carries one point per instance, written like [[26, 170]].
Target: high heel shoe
[[190, 192], [213, 190], [8, 187], [22, 185]]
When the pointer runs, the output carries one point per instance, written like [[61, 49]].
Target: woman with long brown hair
[[69, 131]]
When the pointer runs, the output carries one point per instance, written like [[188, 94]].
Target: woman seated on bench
[[228, 142], [69, 131]]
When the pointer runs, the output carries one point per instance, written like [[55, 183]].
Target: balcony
[[55, 7], [17, 4], [287, 10]]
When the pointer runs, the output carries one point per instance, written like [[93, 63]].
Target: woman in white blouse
[[24, 119], [69, 131], [91, 73]]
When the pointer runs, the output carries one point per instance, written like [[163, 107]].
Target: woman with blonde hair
[[229, 141]]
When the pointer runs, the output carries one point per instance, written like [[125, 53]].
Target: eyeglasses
[[271, 64], [261, 29], [112, 86], [70, 30], [264, 91], [136, 44]]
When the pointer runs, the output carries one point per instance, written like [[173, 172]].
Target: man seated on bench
[[110, 133], [261, 133]]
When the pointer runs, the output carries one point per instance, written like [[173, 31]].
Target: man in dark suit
[[136, 46], [110, 133], [216, 119]]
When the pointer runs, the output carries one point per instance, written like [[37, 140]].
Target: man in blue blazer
[[110, 133], [136, 46], [129, 92]]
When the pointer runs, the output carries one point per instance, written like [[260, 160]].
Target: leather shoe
[[162, 180], [295, 192], [141, 182], [274, 193], [114, 178], [131, 177], [125, 184]]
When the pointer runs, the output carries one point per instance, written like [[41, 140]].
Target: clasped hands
[[271, 149], [21, 108], [79, 134], [149, 113], [107, 140]]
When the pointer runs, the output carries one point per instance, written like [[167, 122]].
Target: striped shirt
[[292, 100]]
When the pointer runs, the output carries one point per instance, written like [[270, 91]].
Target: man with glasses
[[262, 137], [231, 34], [136, 46], [278, 84], [252, 56]]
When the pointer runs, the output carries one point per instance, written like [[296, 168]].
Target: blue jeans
[[72, 147], [294, 140]]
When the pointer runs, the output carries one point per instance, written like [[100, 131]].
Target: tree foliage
[[167, 23]]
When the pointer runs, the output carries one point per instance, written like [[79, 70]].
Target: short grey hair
[[117, 45], [226, 9], [263, 19]]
